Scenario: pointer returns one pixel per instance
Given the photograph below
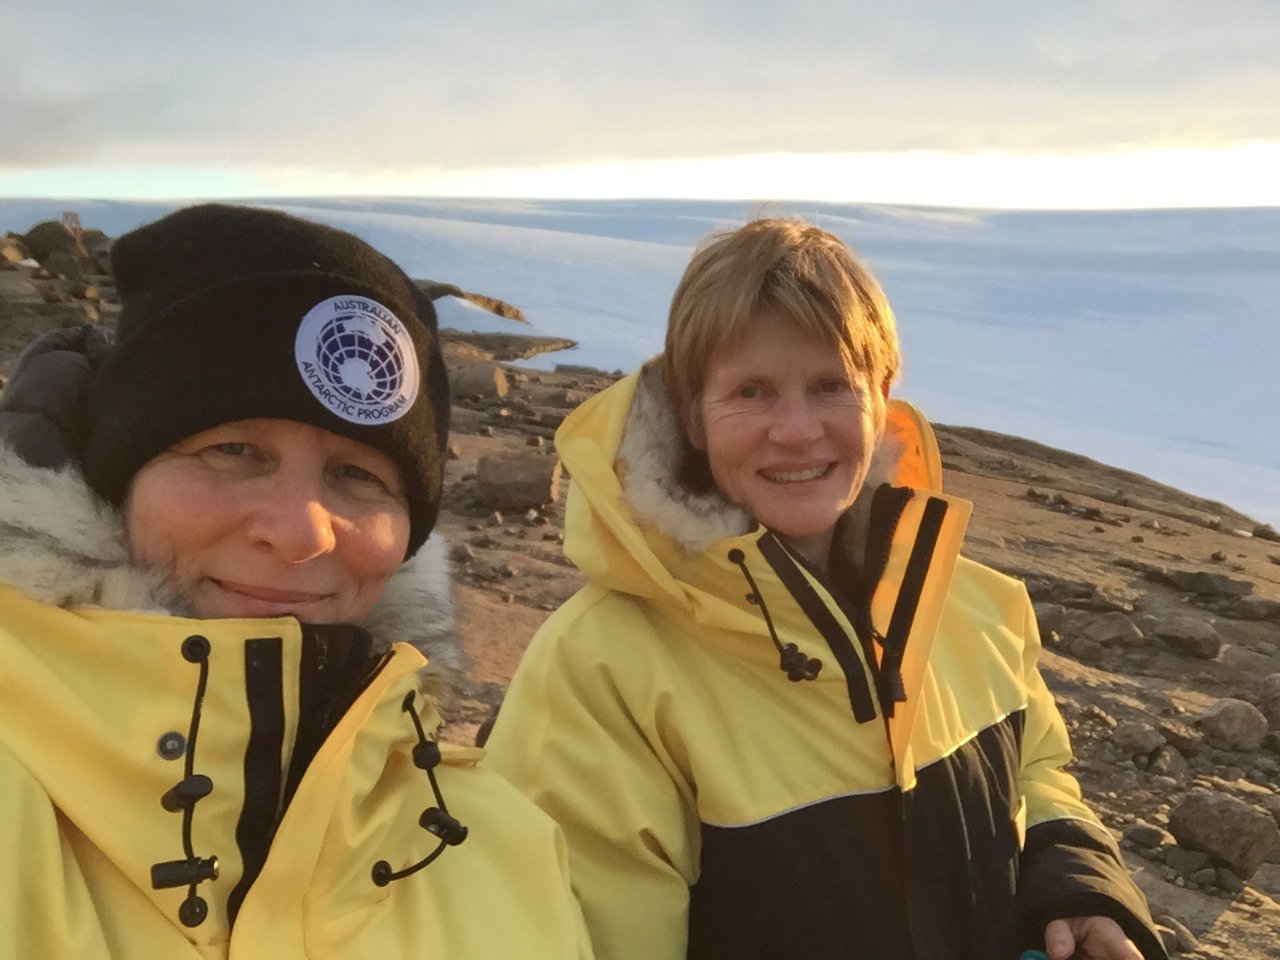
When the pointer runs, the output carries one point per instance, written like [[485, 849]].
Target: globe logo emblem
[[358, 359], [361, 357]]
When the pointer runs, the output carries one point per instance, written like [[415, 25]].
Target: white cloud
[[337, 84]]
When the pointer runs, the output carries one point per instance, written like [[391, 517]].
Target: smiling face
[[788, 436], [266, 518]]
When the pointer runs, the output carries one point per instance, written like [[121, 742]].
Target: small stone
[[1113, 629], [1205, 877], [1186, 940], [462, 553], [1137, 538], [1269, 699], [1135, 738], [495, 519], [454, 451], [1049, 616], [1168, 764], [1229, 881], [534, 442], [1217, 556], [1084, 649], [1147, 836]]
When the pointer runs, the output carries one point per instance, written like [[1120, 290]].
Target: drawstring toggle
[[796, 665], [436, 820]]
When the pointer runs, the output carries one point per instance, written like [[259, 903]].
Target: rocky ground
[[1160, 610]]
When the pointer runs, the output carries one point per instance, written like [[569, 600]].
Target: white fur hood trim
[[62, 545]]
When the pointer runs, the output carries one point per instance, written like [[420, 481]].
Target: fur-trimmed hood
[[625, 451], [64, 546]]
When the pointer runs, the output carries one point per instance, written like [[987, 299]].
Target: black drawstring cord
[[795, 664], [435, 820], [184, 796]]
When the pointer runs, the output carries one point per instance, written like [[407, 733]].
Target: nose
[[796, 423], [294, 525]]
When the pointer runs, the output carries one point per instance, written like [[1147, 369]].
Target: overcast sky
[[388, 86]]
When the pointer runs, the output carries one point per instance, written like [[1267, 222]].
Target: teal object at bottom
[[1034, 955]]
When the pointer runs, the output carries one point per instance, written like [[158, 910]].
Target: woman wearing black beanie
[[224, 630]]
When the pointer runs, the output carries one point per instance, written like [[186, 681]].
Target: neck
[[815, 549]]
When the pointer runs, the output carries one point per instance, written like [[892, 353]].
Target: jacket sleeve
[[593, 758], [42, 409], [1070, 865], [46, 909]]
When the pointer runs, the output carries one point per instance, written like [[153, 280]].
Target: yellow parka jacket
[[138, 747], [755, 759]]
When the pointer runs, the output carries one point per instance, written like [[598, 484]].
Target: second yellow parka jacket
[[754, 759]]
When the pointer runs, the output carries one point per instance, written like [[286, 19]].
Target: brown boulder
[[46, 237], [1232, 724], [517, 482], [484, 380], [1226, 828], [12, 250], [1195, 637]]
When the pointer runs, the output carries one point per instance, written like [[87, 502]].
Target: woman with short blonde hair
[[785, 718]]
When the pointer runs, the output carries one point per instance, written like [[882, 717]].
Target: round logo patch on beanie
[[358, 359]]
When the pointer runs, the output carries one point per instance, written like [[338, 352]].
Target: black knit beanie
[[233, 313]]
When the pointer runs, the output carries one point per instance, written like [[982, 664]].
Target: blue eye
[[233, 449]]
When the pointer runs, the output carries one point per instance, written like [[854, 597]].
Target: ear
[[884, 387], [693, 430]]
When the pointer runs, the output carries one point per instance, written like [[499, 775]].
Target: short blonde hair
[[784, 264]]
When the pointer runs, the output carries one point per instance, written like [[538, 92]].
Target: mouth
[[253, 600], [797, 476]]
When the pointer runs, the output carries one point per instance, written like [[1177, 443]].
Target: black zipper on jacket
[[784, 564], [335, 667], [265, 698]]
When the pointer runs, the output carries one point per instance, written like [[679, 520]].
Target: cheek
[[155, 525], [379, 548], [170, 521]]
